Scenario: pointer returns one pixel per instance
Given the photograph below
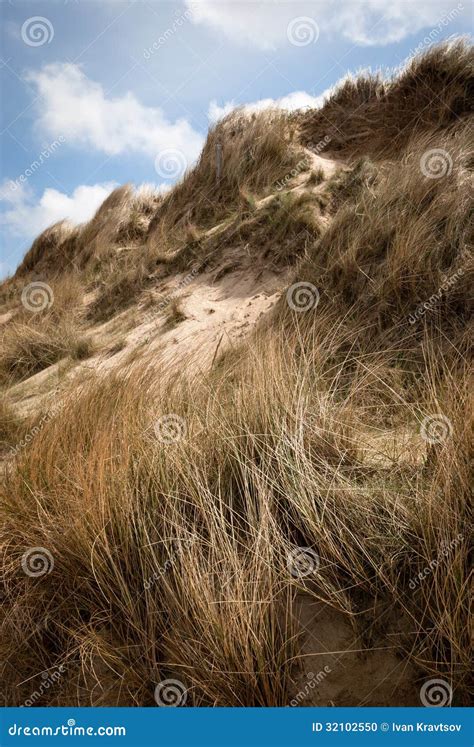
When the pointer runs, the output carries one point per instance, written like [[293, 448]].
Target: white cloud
[[216, 112], [72, 105], [291, 102], [372, 22], [25, 216]]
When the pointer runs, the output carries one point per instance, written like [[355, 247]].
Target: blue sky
[[96, 93]]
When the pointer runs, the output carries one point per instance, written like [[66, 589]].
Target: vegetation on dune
[[52, 251], [398, 240], [34, 339], [11, 425], [369, 115], [170, 547], [168, 504], [255, 152], [30, 348], [276, 232]]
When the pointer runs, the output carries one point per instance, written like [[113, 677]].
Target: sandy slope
[[221, 306]]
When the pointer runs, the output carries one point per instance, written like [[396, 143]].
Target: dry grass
[[153, 524], [316, 177], [370, 116], [345, 186], [170, 500], [400, 240], [119, 289], [53, 251], [256, 151], [282, 229], [170, 556], [174, 313], [121, 220], [33, 341], [274, 232], [11, 425], [108, 251], [28, 349], [134, 232]]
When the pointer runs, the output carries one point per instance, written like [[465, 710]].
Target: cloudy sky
[[97, 93]]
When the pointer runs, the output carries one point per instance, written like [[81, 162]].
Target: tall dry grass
[[121, 220], [370, 115], [167, 504], [402, 238], [256, 151], [33, 340], [170, 556]]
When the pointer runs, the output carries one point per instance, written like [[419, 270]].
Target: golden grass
[[368, 115], [170, 502], [34, 340], [53, 251], [11, 425], [400, 240], [256, 151], [170, 556]]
